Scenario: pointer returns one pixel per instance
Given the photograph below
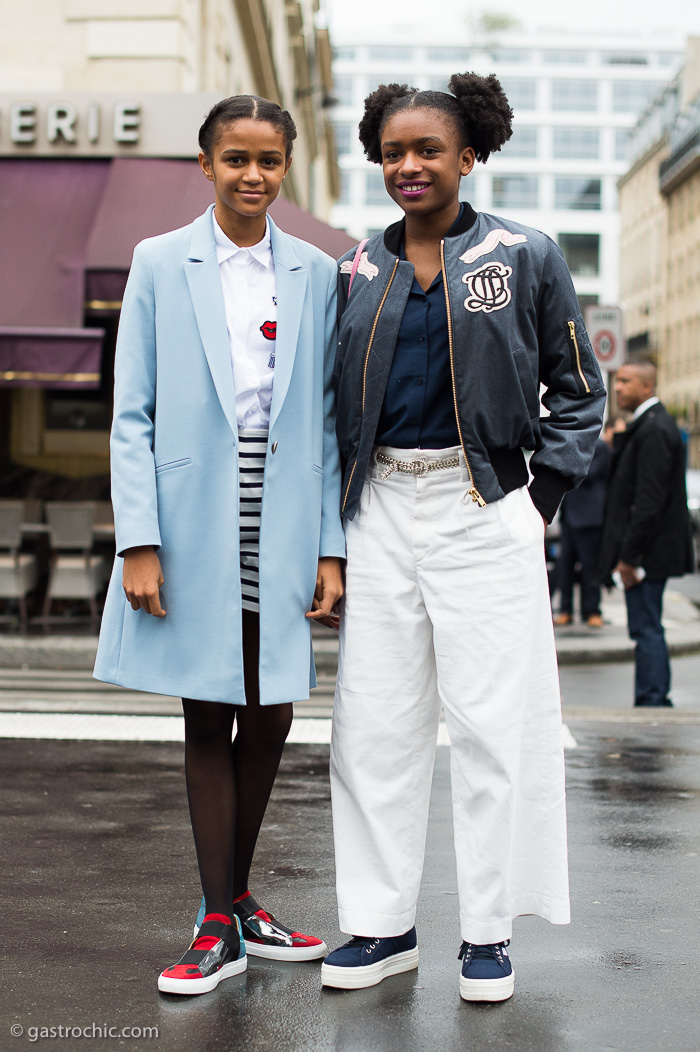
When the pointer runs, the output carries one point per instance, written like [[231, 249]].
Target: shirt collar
[[644, 406], [226, 248]]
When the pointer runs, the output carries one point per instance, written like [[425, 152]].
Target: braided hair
[[477, 106], [250, 107]]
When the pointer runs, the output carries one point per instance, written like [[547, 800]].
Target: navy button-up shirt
[[418, 410]]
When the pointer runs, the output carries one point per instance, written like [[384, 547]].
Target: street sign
[[604, 326]]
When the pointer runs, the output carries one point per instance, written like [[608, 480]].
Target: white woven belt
[[420, 466]]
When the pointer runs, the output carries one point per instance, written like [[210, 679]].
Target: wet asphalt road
[[100, 890]]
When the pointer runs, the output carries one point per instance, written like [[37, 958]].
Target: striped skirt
[[252, 447]]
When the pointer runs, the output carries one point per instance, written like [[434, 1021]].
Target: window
[[587, 301], [577, 192], [515, 191], [437, 83], [565, 58], [342, 90], [522, 143], [613, 59], [390, 54], [342, 53], [344, 136], [344, 195], [632, 96], [522, 94], [448, 54], [510, 55], [580, 95], [622, 138], [581, 252], [375, 191], [671, 58], [578, 144]]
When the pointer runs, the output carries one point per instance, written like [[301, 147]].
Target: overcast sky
[[379, 21]]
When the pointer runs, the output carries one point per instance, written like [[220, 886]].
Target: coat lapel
[[290, 279], [202, 272]]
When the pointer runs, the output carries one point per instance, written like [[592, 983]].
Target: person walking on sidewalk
[[581, 519], [449, 321], [226, 486], [647, 534]]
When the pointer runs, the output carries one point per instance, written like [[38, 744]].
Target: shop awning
[[55, 358], [147, 196]]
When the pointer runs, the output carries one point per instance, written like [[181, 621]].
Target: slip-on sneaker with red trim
[[217, 953], [267, 937]]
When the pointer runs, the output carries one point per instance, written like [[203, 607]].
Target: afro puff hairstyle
[[477, 105]]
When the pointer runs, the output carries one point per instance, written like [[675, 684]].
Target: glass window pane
[[342, 90], [581, 95], [613, 58], [344, 52], [575, 143], [632, 96], [344, 195], [390, 54], [581, 252], [448, 54], [437, 83], [344, 133], [510, 55], [577, 192], [565, 58], [522, 143], [522, 94], [375, 192], [515, 191], [622, 137]]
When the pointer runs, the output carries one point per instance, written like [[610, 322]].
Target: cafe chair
[[74, 572], [18, 570]]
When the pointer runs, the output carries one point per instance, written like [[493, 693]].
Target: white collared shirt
[[644, 406], [250, 298]]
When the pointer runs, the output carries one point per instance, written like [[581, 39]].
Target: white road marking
[[74, 726]]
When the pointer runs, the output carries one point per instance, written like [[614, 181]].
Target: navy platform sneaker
[[487, 974], [365, 962]]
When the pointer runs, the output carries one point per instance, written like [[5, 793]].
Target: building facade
[[574, 104], [660, 244], [100, 105]]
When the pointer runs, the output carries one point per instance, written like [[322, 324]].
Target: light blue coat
[[174, 450]]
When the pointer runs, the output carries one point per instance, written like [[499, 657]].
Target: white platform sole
[[168, 985], [283, 953], [487, 989], [371, 974]]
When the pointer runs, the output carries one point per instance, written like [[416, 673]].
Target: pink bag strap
[[356, 262]]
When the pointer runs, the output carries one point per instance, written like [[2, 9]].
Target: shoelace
[[491, 952], [363, 942]]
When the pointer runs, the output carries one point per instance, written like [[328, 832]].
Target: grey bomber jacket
[[515, 323]]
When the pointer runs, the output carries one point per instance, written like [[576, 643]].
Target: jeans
[[578, 546], [652, 672]]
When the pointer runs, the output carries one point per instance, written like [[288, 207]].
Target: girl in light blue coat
[[225, 483]]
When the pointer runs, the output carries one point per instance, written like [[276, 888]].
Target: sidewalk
[[576, 644]]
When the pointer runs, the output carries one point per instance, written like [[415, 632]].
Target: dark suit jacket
[[646, 511], [583, 507]]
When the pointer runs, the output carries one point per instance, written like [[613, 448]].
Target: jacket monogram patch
[[488, 288]]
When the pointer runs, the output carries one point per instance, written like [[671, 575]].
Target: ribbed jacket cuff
[[547, 490]]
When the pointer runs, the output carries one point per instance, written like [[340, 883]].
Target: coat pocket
[[170, 464]]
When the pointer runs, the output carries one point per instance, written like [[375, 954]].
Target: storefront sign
[[82, 125]]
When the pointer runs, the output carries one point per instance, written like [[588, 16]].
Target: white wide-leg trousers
[[447, 604]]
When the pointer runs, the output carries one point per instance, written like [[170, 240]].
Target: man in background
[[646, 530]]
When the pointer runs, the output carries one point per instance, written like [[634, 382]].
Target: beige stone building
[[660, 245]]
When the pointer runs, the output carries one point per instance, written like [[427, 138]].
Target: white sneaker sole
[[286, 953], [168, 985], [487, 989], [371, 974]]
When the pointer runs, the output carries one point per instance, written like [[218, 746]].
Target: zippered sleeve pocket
[[579, 350]]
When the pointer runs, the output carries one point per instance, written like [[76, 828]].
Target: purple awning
[[55, 358]]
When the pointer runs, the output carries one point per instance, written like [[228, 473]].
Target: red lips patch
[[269, 330]]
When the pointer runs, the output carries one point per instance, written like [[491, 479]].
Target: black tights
[[229, 784]]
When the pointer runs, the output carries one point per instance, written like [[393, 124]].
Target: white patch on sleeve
[[370, 270], [493, 238]]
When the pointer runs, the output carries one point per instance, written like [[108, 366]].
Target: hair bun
[[376, 105], [487, 111]]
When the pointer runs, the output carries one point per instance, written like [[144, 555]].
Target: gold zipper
[[572, 332], [472, 491], [364, 371]]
